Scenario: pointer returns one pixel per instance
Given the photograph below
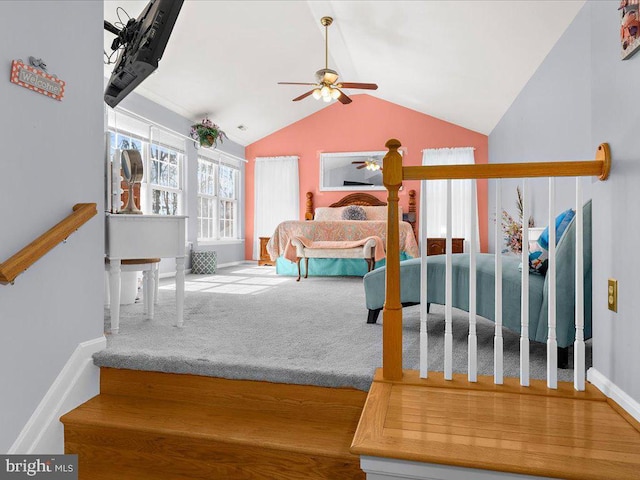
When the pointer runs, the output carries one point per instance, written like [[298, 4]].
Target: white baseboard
[[77, 382], [233, 264], [378, 468], [614, 392]]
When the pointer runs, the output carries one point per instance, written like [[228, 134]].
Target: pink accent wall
[[364, 125]]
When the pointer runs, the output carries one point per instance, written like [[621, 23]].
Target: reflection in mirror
[[351, 171]]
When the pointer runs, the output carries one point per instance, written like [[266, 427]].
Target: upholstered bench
[[320, 249]]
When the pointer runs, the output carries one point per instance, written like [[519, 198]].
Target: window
[[164, 180], [461, 194], [217, 200], [163, 155]]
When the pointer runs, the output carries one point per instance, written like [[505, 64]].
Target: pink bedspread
[[344, 230], [290, 251]]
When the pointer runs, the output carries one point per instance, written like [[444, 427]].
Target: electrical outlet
[[612, 295]]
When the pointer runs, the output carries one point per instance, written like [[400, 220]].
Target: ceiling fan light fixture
[[316, 94], [326, 99], [335, 93], [325, 91]]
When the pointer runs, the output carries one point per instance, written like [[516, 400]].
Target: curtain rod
[[173, 132]]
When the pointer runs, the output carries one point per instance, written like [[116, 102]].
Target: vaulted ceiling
[[460, 61]]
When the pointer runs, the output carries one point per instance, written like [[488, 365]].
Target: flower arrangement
[[207, 133], [512, 228]]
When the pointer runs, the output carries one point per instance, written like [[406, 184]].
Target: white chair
[[150, 277]]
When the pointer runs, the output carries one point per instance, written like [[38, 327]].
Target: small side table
[[438, 246], [265, 259]]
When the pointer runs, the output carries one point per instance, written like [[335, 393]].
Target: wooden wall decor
[[37, 80]]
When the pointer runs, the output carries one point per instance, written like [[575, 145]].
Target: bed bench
[[320, 249]]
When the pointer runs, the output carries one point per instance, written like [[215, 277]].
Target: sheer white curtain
[[436, 196], [277, 195]]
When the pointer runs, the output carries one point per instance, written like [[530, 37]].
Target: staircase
[[149, 425]]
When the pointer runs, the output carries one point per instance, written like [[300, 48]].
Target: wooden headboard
[[364, 199]]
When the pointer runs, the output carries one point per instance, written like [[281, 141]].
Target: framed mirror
[[351, 171]]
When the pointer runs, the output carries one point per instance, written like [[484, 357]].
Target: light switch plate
[[612, 295]]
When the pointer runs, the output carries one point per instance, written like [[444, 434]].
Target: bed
[[326, 224], [511, 287]]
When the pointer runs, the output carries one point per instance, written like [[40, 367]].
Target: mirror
[[351, 171], [132, 171]]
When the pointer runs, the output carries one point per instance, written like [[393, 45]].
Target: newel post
[[392, 312]]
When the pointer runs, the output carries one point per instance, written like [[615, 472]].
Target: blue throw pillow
[[538, 260], [562, 222]]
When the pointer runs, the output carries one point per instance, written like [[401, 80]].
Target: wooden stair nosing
[[145, 455], [224, 425]]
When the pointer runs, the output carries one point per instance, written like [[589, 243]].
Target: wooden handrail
[[598, 167], [30, 254], [394, 174]]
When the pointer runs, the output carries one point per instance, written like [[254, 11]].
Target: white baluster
[[524, 304], [578, 346], [498, 375], [424, 338], [472, 364], [552, 342], [448, 319]]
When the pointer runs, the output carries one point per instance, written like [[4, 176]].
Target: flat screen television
[[144, 41]]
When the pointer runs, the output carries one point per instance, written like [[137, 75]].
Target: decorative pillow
[[354, 212], [562, 222], [538, 259], [538, 262], [326, 214]]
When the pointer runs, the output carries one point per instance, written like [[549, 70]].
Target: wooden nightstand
[[265, 259], [437, 246]]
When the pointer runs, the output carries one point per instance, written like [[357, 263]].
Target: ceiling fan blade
[[343, 98], [365, 86], [304, 95], [294, 83], [358, 162], [361, 166]]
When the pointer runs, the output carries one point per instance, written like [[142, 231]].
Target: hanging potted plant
[[207, 134]]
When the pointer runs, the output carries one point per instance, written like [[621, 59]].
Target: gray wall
[[549, 120], [583, 95], [51, 159], [226, 252]]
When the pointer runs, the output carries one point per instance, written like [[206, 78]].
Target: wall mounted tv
[[143, 41]]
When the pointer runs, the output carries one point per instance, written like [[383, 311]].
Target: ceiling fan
[[327, 86], [368, 164]]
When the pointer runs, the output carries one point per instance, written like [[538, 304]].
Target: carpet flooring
[[246, 322]]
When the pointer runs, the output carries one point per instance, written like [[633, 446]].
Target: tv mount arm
[[124, 35]]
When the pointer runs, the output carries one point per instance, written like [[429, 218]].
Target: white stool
[[150, 276]]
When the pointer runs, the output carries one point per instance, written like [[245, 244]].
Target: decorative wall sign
[[629, 27], [36, 80]]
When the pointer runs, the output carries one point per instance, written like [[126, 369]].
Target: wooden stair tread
[[498, 430], [242, 425]]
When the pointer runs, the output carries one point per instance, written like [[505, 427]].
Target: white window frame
[[119, 123], [215, 221], [150, 186]]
